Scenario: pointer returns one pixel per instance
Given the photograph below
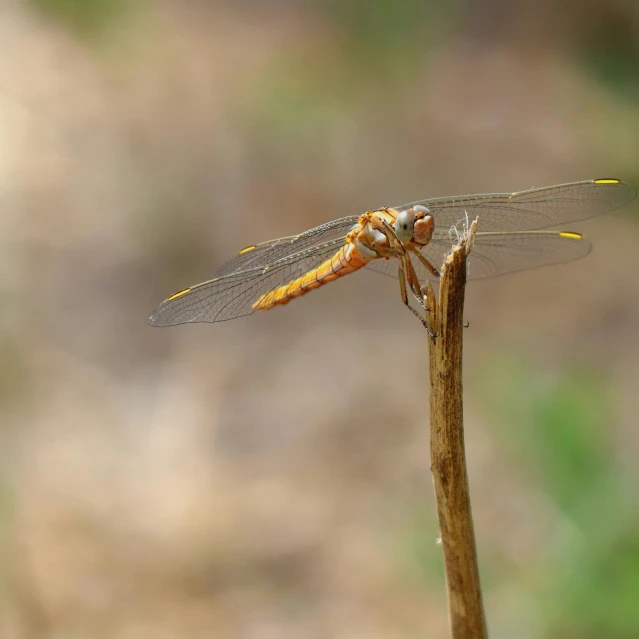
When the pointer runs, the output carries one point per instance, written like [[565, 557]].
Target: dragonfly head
[[415, 223]]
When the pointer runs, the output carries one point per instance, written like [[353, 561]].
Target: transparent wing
[[233, 295], [533, 209], [498, 253], [273, 250]]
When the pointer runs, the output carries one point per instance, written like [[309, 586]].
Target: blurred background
[[238, 480]]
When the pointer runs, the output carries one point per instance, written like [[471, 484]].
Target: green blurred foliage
[[295, 100], [377, 46], [90, 18], [390, 33], [419, 551], [559, 427], [596, 586], [610, 52]]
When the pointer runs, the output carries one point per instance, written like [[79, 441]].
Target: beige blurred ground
[[256, 479]]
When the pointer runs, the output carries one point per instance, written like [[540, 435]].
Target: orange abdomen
[[345, 261]]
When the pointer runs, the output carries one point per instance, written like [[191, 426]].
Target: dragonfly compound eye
[[404, 225], [424, 226]]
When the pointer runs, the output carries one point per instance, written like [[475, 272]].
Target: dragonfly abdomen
[[345, 261]]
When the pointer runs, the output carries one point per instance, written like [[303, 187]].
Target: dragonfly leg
[[392, 238], [413, 281], [404, 294], [433, 271], [429, 267], [406, 268]]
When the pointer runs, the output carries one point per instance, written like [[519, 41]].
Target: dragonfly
[[406, 242]]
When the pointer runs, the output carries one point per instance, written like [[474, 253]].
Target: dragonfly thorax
[[371, 242]]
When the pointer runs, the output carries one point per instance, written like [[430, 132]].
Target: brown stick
[[447, 456]]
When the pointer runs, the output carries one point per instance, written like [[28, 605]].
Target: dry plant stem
[[447, 456]]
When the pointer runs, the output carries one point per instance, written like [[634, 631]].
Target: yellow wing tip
[[607, 181], [248, 249], [178, 294], [572, 236]]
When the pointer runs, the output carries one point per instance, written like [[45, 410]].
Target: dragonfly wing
[[388, 267], [233, 295], [533, 209], [495, 254], [273, 250], [498, 253]]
